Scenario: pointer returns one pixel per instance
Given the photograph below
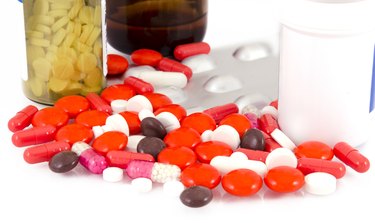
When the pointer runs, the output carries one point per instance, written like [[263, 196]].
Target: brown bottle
[[155, 24]]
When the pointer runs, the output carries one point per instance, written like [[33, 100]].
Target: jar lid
[[329, 16]]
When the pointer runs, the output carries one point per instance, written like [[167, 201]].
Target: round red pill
[[206, 151], [180, 156], [110, 141], [200, 174], [50, 116], [284, 179], [73, 105], [242, 182], [117, 91], [175, 109], [133, 122], [199, 121], [146, 57], [74, 133], [182, 137], [158, 100], [237, 121], [92, 118], [116, 64], [314, 149]]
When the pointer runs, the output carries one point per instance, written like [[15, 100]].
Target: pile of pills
[[130, 128]]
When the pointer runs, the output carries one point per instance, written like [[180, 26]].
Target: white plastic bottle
[[326, 80]]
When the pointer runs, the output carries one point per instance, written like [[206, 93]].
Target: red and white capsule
[[169, 65], [98, 103], [311, 165], [34, 136], [22, 119], [267, 123], [191, 49], [351, 157], [218, 113], [44, 152]]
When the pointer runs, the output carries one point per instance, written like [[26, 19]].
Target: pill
[[92, 118], [199, 121], [242, 182], [116, 64], [182, 137], [271, 111], [44, 152], [146, 57], [281, 157], [168, 120], [253, 139], [157, 172], [226, 134], [34, 136], [63, 162], [151, 145], [222, 84], [110, 141], [41, 7], [256, 100], [270, 145], [50, 116], [118, 105], [164, 79], [170, 65], [206, 151], [158, 100], [141, 185], [42, 68], [179, 156], [121, 159], [97, 103], [199, 63], [200, 174], [253, 118], [73, 133], [320, 183], [284, 179], [311, 165], [252, 52], [137, 103], [133, 122], [153, 128], [117, 122], [191, 49], [250, 109], [314, 149], [196, 196], [220, 112], [175, 109], [206, 135], [117, 91], [351, 157], [254, 154], [173, 188], [133, 141], [135, 71], [139, 85], [22, 119], [113, 174], [145, 113], [73, 105], [282, 139], [80, 147], [237, 121], [92, 161], [267, 123], [236, 161]]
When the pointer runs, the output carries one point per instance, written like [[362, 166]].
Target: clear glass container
[[155, 24], [64, 48]]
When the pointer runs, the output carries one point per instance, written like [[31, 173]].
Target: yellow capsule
[[63, 69], [57, 85], [86, 62], [42, 68]]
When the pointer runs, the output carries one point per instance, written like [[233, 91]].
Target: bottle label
[[372, 98]]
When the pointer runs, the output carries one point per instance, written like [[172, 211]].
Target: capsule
[[169, 65], [257, 155], [98, 103], [139, 85], [44, 152], [34, 136], [121, 159], [191, 49], [92, 161], [351, 157], [157, 172], [253, 118], [311, 165], [267, 123], [270, 145], [218, 113], [22, 119]]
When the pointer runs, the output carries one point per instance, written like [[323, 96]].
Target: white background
[[32, 193]]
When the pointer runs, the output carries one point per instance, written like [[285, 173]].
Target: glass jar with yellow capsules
[[64, 47]]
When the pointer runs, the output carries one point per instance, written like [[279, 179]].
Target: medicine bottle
[[326, 79], [155, 24], [64, 48]]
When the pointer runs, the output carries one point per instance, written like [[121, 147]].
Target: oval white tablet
[[281, 157], [164, 79], [226, 134], [141, 185], [282, 139], [199, 63], [222, 84], [118, 105], [133, 141], [173, 188], [138, 103], [113, 174], [252, 52], [168, 120], [136, 71], [206, 135], [320, 183], [145, 113], [116, 123], [257, 100]]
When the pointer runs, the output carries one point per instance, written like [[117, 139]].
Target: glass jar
[[64, 48], [155, 24]]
